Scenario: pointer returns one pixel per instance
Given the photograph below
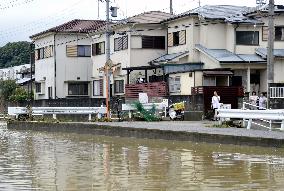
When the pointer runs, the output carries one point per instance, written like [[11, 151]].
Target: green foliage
[[145, 114], [19, 95], [7, 88], [10, 91], [14, 54]]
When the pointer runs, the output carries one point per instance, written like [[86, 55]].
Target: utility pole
[[171, 7], [270, 50], [107, 67]]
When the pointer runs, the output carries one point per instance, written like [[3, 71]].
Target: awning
[[217, 73], [225, 56], [263, 52], [169, 57]]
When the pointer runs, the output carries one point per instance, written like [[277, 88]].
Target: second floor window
[[78, 50], [279, 33], [154, 42], [44, 52], [121, 43], [98, 48], [247, 38], [177, 38]]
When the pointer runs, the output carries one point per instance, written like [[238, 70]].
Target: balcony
[[154, 89]]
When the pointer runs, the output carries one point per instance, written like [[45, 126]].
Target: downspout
[[54, 42], [235, 38]]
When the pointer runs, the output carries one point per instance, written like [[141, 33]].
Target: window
[[177, 38], [154, 42], [247, 38], [98, 48], [279, 33], [119, 86], [78, 50], [174, 84], [45, 52], [78, 89], [38, 87], [84, 50], [41, 53], [121, 43], [98, 87], [209, 81], [49, 92]]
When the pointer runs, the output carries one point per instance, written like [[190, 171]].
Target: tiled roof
[[225, 56], [263, 52], [264, 8], [151, 17], [227, 13], [75, 26]]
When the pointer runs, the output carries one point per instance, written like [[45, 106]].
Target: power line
[[13, 4]]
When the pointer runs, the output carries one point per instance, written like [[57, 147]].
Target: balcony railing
[[154, 89]]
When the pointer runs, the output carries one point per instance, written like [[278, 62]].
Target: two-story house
[[134, 42], [63, 65], [230, 42]]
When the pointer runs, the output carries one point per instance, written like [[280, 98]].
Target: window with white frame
[[98, 87], [174, 84], [119, 86]]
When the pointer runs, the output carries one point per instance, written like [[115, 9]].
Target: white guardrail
[[16, 111], [276, 114]]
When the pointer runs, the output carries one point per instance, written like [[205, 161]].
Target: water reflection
[[56, 161]]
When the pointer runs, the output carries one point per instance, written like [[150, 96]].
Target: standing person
[[215, 104], [253, 100], [262, 102]]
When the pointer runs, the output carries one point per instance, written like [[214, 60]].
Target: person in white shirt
[[253, 100], [262, 102], [215, 104]]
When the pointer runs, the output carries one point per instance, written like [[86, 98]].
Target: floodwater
[[32, 160]]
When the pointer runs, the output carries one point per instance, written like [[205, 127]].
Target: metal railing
[[16, 111], [249, 115], [276, 92]]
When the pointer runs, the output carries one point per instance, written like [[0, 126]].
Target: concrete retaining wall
[[99, 129]]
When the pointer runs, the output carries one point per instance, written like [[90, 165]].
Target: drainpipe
[[54, 49], [235, 38]]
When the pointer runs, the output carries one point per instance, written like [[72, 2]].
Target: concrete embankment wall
[[101, 129]]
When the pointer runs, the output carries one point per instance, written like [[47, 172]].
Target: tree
[[19, 95], [7, 89], [14, 54]]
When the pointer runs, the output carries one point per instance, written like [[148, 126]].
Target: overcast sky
[[21, 18]]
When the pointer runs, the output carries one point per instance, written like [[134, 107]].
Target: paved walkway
[[203, 127]]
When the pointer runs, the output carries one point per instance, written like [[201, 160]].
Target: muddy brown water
[[32, 160]]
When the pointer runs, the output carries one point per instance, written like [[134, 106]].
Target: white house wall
[[77, 69], [44, 68]]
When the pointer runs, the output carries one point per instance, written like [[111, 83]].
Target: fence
[[269, 115], [276, 92], [16, 111]]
